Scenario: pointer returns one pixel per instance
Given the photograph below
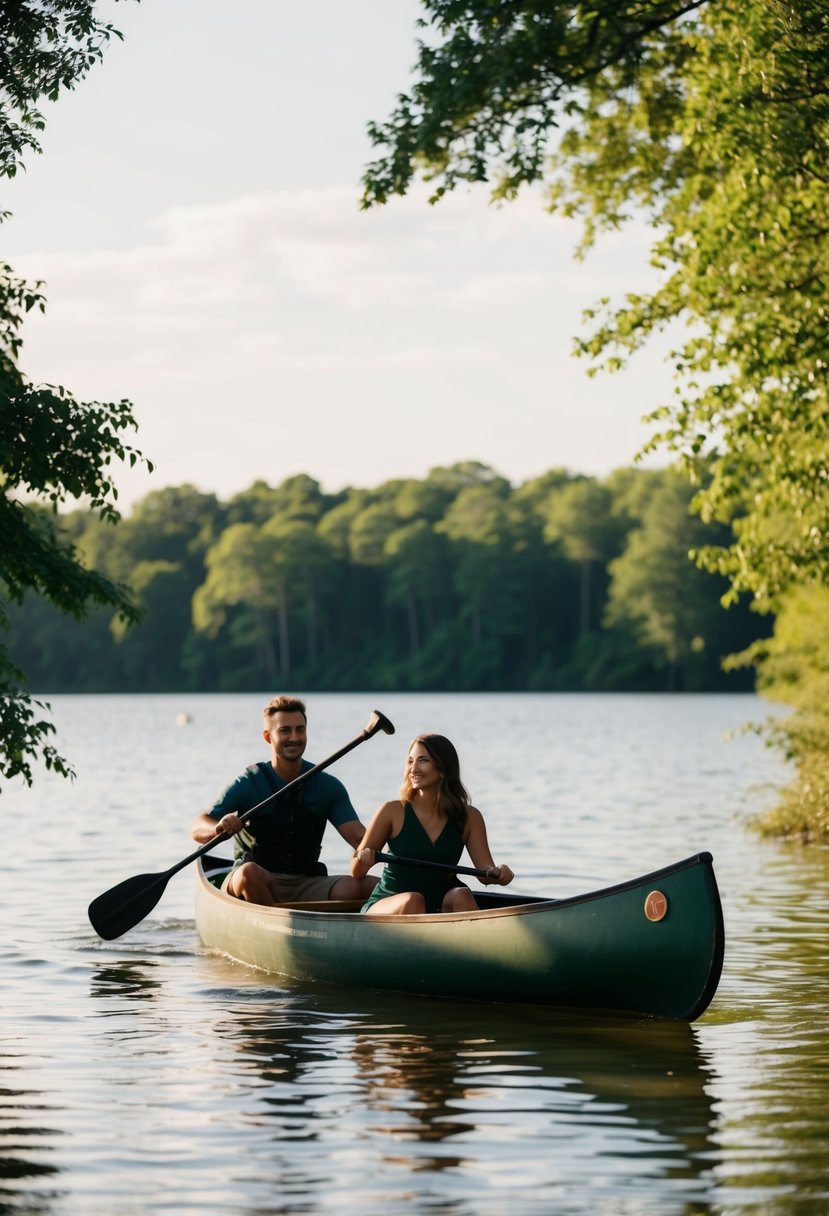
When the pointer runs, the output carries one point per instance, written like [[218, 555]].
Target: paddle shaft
[[127, 903], [430, 865]]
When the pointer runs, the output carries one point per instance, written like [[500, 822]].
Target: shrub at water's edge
[[793, 668]]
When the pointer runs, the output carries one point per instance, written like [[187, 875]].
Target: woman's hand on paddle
[[500, 876], [477, 847], [361, 862]]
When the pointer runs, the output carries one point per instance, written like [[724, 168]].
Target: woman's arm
[[477, 846], [385, 823]]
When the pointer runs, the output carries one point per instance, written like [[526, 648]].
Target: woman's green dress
[[413, 841]]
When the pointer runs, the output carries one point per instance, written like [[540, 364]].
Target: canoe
[[653, 945]]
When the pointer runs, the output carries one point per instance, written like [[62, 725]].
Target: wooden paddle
[[431, 865], [123, 906]]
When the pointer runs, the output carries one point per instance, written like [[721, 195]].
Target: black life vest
[[285, 836]]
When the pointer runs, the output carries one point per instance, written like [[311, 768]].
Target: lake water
[[147, 1075]]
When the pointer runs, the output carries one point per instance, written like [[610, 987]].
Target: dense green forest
[[458, 581]]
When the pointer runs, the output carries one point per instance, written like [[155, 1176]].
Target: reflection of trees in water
[[25, 1136], [133, 981], [769, 1029]]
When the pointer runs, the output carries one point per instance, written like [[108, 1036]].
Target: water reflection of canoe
[[653, 945], [597, 1086]]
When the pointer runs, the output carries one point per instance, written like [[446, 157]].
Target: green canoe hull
[[653, 945]]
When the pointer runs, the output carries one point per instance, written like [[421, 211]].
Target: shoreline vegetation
[[793, 669], [458, 581]]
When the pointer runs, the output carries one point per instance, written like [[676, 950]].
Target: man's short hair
[[284, 704]]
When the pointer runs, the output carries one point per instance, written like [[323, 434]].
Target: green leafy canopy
[[711, 119]]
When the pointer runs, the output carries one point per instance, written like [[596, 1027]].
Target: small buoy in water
[[183, 719]]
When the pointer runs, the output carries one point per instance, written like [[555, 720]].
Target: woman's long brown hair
[[453, 798]]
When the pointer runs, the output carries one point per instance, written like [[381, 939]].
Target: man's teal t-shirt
[[286, 834]]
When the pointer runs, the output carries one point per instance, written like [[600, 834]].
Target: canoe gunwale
[[515, 905]]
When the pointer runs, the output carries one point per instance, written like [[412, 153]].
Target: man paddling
[[277, 850]]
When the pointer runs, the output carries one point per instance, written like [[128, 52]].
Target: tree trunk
[[414, 634], [584, 613], [284, 641], [266, 643], [311, 628]]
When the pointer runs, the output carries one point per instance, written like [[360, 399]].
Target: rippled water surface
[[147, 1075]]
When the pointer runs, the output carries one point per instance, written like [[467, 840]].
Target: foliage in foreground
[[52, 447]]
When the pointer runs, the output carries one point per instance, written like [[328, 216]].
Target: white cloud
[[252, 332], [263, 250]]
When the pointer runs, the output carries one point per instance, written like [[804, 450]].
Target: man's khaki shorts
[[297, 888]]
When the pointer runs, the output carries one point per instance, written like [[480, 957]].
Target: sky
[[195, 218]]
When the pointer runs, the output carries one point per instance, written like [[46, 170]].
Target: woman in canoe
[[433, 820]]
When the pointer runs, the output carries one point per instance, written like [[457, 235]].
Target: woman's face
[[421, 769]]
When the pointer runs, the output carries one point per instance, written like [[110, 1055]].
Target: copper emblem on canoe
[[656, 905]]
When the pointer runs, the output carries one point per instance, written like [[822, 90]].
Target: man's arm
[[223, 816], [352, 832], [205, 827]]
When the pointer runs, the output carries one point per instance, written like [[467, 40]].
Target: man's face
[[287, 735]]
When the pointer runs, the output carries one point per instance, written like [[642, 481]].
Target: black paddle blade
[[123, 906]]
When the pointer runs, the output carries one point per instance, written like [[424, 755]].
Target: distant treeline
[[459, 581]]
